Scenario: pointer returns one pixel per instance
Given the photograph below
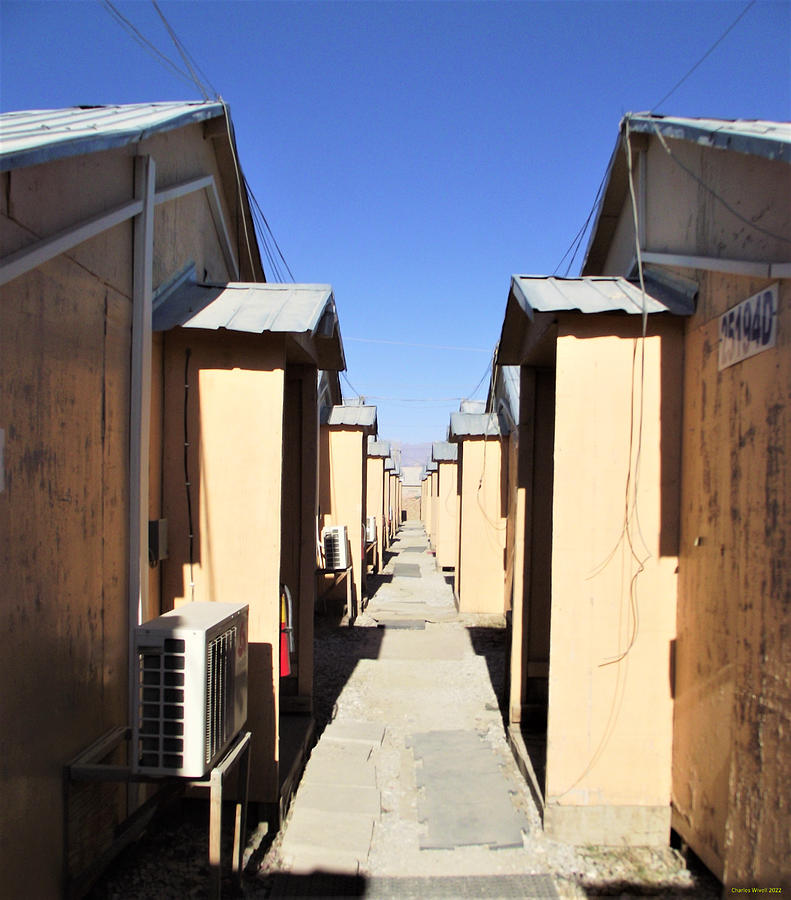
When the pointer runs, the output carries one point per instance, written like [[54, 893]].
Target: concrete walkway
[[411, 791]]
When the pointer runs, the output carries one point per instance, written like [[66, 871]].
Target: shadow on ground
[[336, 652], [490, 642], [373, 583]]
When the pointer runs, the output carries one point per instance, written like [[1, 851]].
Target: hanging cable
[[415, 399], [625, 540], [181, 51], [421, 346], [242, 184], [268, 228], [635, 429], [708, 53], [257, 213], [187, 484], [237, 170], [577, 241], [487, 370], [144, 42], [186, 56], [356, 392]]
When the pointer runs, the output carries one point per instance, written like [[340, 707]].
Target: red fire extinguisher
[[286, 630]]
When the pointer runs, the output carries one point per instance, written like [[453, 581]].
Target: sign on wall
[[749, 327]]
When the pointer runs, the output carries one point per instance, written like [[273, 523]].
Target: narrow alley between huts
[[411, 789], [270, 634]]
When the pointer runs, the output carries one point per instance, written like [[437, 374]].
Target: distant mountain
[[413, 454]]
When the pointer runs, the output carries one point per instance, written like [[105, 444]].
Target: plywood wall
[[64, 407], [613, 586], [733, 653], [480, 573]]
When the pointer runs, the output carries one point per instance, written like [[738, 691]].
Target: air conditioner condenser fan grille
[[161, 706], [220, 672]]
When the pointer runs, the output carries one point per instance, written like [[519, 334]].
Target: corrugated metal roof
[[35, 136], [431, 467], [591, 294], [379, 449], [756, 137], [389, 465], [246, 306], [443, 451], [293, 309], [474, 425], [472, 406], [350, 416]]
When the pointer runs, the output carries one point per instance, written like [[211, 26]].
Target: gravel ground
[[170, 861]]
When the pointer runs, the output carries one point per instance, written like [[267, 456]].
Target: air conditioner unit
[[370, 529], [192, 688], [336, 547]]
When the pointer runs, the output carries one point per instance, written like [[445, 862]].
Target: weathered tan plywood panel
[[64, 406], [235, 416], [63, 367], [598, 696], [375, 499], [733, 661], [447, 526], [480, 580], [343, 490]]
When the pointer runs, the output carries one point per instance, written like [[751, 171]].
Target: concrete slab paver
[[333, 797], [366, 732], [444, 800]]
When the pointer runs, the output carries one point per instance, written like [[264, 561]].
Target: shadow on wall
[[671, 404]]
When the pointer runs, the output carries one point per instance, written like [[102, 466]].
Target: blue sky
[[415, 155]]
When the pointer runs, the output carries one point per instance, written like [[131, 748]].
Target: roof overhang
[[363, 417], [35, 136], [534, 303], [444, 451], [378, 449], [475, 425], [304, 314]]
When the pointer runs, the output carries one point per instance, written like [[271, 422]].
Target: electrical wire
[[626, 540], [237, 170], [422, 346], [144, 42], [415, 399], [633, 470], [487, 370], [187, 57], [356, 392], [268, 230], [182, 52], [198, 79], [708, 53], [256, 212], [577, 240]]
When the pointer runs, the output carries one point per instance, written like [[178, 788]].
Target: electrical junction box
[[157, 541]]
